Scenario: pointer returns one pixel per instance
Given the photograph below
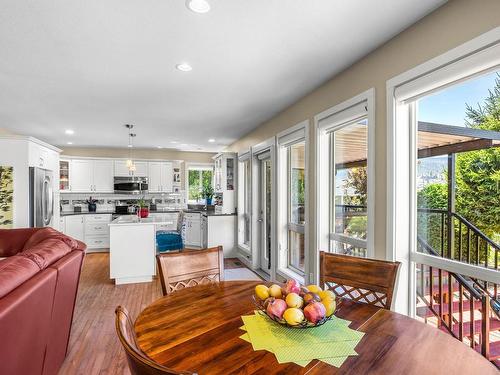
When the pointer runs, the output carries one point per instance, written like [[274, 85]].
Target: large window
[[443, 178], [296, 207], [345, 177], [348, 190], [244, 201], [198, 177], [292, 203]]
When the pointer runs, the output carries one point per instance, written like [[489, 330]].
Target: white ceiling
[[94, 65]]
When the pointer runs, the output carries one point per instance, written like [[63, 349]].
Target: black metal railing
[[456, 303], [454, 237]]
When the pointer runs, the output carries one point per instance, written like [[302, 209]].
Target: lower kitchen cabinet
[[74, 227], [221, 231], [92, 229], [97, 231], [193, 230]]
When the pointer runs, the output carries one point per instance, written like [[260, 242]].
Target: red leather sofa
[[38, 284]]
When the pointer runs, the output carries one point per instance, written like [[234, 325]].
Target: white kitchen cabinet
[[62, 225], [224, 176], [97, 231], [194, 235], [42, 157], [91, 176], [75, 227], [103, 176], [141, 169], [154, 183], [160, 177], [221, 231], [121, 169], [82, 176]]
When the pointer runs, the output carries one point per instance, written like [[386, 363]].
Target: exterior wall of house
[[456, 22]]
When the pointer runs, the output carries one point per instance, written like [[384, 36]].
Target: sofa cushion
[[47, 252], [14, 271], [12, 241], [49, 233]]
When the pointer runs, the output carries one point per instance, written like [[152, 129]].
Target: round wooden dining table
[[198, 329]]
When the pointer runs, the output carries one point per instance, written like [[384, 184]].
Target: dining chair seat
[[188, 268], [138, 362], [363, 280]]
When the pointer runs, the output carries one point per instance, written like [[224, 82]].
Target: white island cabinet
[[133, 248]]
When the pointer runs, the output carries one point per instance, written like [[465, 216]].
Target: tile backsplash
[[107, 202]]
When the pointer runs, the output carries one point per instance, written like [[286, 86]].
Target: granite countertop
[[205, 213], [134, 220]]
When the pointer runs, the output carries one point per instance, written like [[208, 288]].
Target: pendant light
[[130, 162]]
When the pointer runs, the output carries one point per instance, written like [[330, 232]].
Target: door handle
[[260, 220]]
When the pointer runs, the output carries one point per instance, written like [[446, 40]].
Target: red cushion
[[14, 271], [12, 241], [47, 252], [49, 233]]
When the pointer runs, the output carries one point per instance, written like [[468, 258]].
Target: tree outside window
[[197, 178]]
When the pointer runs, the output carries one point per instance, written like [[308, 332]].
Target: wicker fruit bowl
[[295, 306]]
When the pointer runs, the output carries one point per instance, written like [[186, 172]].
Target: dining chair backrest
[[138, 362], [187, 268], [364, 280]]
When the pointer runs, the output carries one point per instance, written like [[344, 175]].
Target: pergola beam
[[476, 144]]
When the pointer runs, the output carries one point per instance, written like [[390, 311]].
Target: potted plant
[[92, 204], [143, 208], [208, 193]]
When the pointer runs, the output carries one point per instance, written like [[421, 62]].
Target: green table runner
[[331, 343]]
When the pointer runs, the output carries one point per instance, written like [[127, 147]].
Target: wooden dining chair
[[187, 268], [364, 280], [138, 362]]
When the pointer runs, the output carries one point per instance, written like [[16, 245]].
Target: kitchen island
[[133, 248]]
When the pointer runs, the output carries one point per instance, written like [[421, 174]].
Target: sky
[[448, 106]]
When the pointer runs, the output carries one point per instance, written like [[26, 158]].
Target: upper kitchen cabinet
[[64, 175], [225, 172], [103, 176], [122, 170], [160, 177], [86, 175]]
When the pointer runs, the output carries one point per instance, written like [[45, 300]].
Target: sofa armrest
[[12, 240], [81, 246]]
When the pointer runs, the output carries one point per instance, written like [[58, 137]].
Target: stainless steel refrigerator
[[41, 197]]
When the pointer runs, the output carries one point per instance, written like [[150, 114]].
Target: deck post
[[451, 205]]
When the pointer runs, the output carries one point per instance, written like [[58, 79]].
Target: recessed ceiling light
[[70, 143], [184, 67], [69, 132], [198, 6], [211, 140]]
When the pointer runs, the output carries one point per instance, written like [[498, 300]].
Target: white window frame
[[338, 116], [244, 193], [201, 167], [478, 56], [268, 145], [286, 138]]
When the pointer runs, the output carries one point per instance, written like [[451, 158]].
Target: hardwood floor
[[94, 347]]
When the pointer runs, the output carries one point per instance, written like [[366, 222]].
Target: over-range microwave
[[131, 185]]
